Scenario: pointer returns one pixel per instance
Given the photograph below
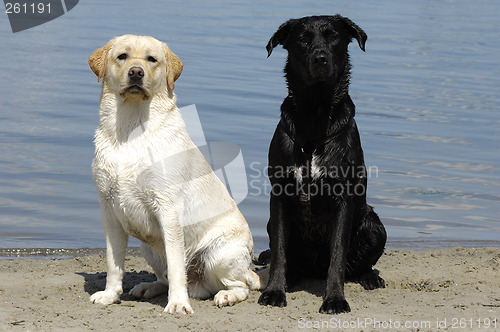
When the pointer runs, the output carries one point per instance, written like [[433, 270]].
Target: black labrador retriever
[[320, 225]]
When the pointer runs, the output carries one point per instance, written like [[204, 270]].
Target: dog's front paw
[[334, 305], [273, 297], [105, 297], [178, 307]]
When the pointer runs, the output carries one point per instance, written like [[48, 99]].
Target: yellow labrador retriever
[[155, 185]]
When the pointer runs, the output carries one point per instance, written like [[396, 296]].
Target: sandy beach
[[456, 289]]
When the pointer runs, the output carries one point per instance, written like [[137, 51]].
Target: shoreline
[[394, 245], [432, 289]]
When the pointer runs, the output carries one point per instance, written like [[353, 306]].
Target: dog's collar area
[[309, 147]]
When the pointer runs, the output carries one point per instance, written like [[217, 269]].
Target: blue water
[[426, 91]]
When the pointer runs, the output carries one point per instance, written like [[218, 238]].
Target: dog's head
[[136, 66], [317, 46]]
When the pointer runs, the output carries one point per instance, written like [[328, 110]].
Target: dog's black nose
[[320, 59], [136, 73]]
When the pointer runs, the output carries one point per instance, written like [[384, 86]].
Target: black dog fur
[[320, 225]]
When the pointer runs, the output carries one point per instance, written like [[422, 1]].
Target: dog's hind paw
[[334, 305], [371, 280], [231, 296], [273, 297], [148, 289], [264, 257], [225, 298]]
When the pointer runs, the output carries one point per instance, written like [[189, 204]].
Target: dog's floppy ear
[[280, 36], [356, 32], [98, 60], [174, 67]]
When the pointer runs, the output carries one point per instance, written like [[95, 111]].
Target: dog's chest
[[319, 176], [124, 181], [119, 167]]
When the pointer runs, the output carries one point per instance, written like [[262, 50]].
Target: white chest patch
[[316, 170]]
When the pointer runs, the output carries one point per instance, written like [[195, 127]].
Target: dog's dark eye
[[122, 56], [306, 39], [330, 35], [151, 59]]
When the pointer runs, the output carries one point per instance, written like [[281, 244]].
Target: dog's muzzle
[[135, 78], [320, 65]]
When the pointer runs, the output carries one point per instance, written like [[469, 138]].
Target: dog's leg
[[116, 244], [334, 300], [278, 233], [173, 237]]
